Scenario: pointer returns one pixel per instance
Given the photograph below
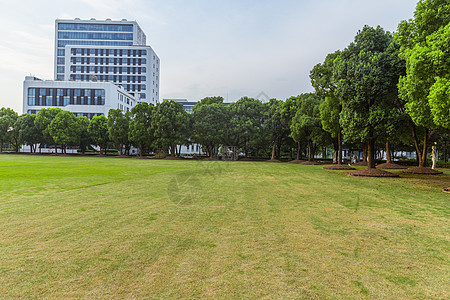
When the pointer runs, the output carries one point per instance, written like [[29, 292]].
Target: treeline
[[384, 91]]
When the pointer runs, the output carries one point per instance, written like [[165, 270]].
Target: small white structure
[[87, 99]]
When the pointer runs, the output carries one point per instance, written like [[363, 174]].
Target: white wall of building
[[115, 97]]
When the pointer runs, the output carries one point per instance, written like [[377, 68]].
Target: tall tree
[[210, 123], [98, 131], [7, 119], [43, 119], [28, 133], [325, 85], [171, 123], [118, 126], [64, 129], [366, 85], [141, 132], [84, 138], [247, 121], [424, 45], [306, 122]]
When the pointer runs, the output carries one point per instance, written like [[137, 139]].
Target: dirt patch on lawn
[[390, 166], [446, 189], [372, 173], [339, 167], [123, 156], [312, 163], [273, 160], [361, 163], [422, 170], [297, 161]]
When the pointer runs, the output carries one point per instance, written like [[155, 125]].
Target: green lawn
[[96, 227]]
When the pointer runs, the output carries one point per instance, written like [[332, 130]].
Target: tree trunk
[[274, 145], [340, 147], [388, 153], [371, 154], [211, 150], [298, 150], [421, 153], [279, 148], [56, 149], [309, 151], [101, 152], [365, 153], [1, 146]]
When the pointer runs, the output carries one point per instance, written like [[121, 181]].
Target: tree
[[141, 132], [287, 110], [7, 119], [210, 100], [84, 138], [324, 83], [171, 124], [306, 122], [209, 124], [118, 126], [64, 129], [28, 133], [366, 83], [98, 131], [274, 126], [246, 121], [43, 119], [424, 45]]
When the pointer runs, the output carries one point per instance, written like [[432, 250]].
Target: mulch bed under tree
[[372, 173], [312, 163], [339, 167], [391, 166], [296, 161], [273, 160], [422, 170], [361, 163]]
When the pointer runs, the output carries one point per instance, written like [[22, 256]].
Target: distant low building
[[86, 99]]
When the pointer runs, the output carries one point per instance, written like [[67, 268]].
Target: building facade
[[107, 50], [86, 99]]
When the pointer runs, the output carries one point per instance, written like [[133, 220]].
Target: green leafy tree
[[118, 126], [28, 133], [210, 123], [287, 110], [98, 132], [84, 139], [325, 85], [171, 124], [141, 132], [424, 45], [64, 129], [7, 119], [275, 128], [367, 86], [210, 100], [43, 119], [246, 121], [306, 122]]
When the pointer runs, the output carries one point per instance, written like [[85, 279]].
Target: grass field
[[95, 227]]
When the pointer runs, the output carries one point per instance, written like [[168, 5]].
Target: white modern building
[[86, 99], [113, 51]]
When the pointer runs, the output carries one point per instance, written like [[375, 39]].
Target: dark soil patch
[[390, 166], [251, 159], [210, 159], [297, 161], [123, 156], [446, 189], [273, 160], [361, 163], [372, 173], [422, 170], [100, 155], [312, 163], [339, 167], [141, 157]]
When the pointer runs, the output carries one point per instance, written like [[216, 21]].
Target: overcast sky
[[231, 48]]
